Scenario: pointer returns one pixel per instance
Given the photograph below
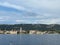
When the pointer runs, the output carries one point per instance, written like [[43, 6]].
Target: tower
[[20, 29]]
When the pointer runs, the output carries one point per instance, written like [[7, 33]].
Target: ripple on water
[[46, 39]]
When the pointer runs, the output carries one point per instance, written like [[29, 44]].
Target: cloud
[[42, 21], [47, 21], [49, 4], [4, 18], [6, 4], [19, 21], [23, 21], [33, 11]]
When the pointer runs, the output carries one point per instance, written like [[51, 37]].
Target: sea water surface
[[26, 39]]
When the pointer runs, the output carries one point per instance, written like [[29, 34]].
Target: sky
[[29, 11]]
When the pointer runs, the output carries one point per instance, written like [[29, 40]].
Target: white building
[[1, 32], [7, 32], [40, 32], [22, 31], [32, 32], [13, 32]]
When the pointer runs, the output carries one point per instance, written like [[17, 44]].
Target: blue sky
[[30, 11]]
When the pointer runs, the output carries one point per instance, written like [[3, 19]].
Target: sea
[[29, 39]]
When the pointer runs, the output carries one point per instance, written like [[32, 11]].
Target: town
[[27, 32]]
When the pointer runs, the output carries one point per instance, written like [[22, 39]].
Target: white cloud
[[42, 21], [19, 21], [23, 21], [4, 18], [47, 21], [48, 4], [6, 4], [49, 11], [1, 18], [53, 4]]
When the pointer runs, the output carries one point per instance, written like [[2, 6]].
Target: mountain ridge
[[42, 27]]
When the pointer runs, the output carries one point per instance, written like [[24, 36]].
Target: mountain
[[41, 27]]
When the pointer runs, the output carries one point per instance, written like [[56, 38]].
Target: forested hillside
[[42, 27]]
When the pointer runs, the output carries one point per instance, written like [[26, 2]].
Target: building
[[7, 32], [32, 32], [13, 32], [41, 32], [22, 31], [1, 32]]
